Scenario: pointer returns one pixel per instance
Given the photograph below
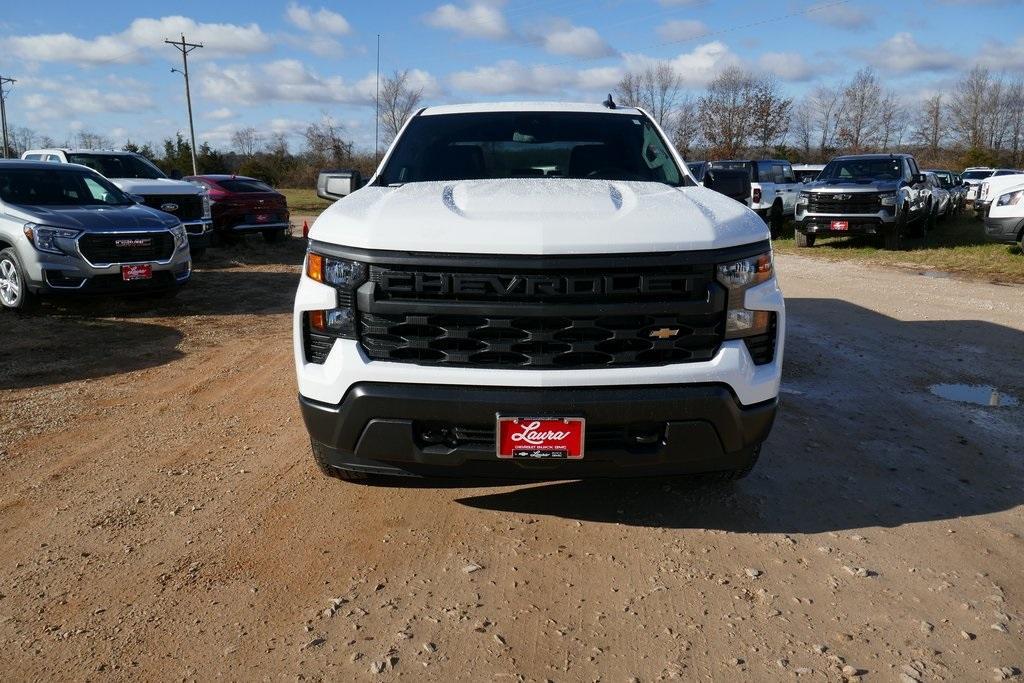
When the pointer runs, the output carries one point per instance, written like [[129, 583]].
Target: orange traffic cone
[[305, 229]]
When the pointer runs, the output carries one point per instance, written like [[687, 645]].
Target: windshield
[[499, 145], [58, 187], [735, 166], [118, 165], [944, 177], [862, 169], [976, 175]]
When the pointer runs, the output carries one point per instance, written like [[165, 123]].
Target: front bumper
[[259, 227], [200, 234], [64, 274], [378, 428], [1006, 229], [859, 224]]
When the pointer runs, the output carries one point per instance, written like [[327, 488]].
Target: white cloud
[[141, 35], [321, 21], [480, 19], [999, 56], [510, 77], [220, 114], [791, 66], [576, 41], [902, 53], [841, 16], [61, 99], [696, 68], [682, 29]]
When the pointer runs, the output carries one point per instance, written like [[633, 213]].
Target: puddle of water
[[978, 394]]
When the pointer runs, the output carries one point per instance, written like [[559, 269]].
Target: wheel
[[804, 240], [198, 254], [14, 292], [776, 220], [725, 476], [273, 236], [320, 455]]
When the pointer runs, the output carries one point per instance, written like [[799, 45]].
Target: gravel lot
[[162, 518]]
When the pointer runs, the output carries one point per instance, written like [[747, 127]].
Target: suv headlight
[[180, 236], [1011, 198], [888, 198], [344, 275], [738, 277], [51, 240], [207, 211]]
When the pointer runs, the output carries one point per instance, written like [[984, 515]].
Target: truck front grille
[[619, 317], [126, 247], [844, 203], [187, 207]]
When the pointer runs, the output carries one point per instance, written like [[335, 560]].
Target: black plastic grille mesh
[[826, 202], [127, 247]]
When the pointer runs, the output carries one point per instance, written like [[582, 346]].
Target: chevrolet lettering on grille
[[133, 243], [398, 283]]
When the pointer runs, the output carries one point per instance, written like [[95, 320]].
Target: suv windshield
[[976, 175], [58, 187], [117, 165], [498, 145], [862, 169]]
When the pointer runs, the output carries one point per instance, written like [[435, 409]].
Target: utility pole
[[3, 109], [376, 118], [184, 48]]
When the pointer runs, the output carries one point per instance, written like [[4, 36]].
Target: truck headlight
[[804, 198], [1011, 198], [180, 236], [888, 198], [344, 275], [207, 211], [738, 277], [51, 240]]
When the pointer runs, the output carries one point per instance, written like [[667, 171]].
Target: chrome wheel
[[10, 283]]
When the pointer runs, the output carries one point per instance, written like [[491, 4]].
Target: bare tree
[[726, 112], [325, 145], [827, 106], [770, 114], [246, 141], [686, 127], [893, 120], [860, 122], [1015, 123], [968, 105], [657, 89], [89, 140], [398, 101], [277, 145], [803, 128], [22, 139], [930, 126]]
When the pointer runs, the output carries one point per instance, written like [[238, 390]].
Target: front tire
[[776, 220], [804, 240], [14, 293], [321, 457]]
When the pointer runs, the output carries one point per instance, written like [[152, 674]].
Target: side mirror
[[337, 184], [137, 198], [920, 178]]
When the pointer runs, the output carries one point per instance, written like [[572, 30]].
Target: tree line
[[979, 121]]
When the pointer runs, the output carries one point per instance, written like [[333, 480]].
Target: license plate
[[263, 218], [140, 272], [540, 438], [840, 225]]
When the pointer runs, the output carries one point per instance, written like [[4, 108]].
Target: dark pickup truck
[[869, 194]]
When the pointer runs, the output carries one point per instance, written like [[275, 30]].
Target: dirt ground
[[161, 517]]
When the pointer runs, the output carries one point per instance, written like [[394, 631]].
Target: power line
[[184, 48], [4, 80]]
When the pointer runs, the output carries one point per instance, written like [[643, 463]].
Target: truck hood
[[538, 216], [108, 218], [853, 186], [156, 186]]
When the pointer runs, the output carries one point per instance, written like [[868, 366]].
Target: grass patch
[[302, 201], [957, 245]]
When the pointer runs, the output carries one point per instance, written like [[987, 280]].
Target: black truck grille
[[844, 203], [127, 247], [187, 207], [581, 319]]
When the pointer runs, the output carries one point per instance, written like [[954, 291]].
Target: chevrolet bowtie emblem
[[664, 333]]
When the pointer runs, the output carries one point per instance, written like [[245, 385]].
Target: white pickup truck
[[536, 290], [774, 188], [141, 179]]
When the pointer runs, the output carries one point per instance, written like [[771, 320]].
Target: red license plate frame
[[843, 226], [263, 218], [140, 271], [540, 438]]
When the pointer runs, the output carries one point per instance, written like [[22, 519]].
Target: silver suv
[[67, 229]]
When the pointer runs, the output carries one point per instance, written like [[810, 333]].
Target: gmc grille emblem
[[169, 207], [129, 243], [485, 285]]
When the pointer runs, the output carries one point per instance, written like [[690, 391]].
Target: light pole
[[3, 110], [185, 48]]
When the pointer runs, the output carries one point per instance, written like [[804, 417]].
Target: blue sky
[[102, 66]]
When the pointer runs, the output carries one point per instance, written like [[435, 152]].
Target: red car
[[240, 205]]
